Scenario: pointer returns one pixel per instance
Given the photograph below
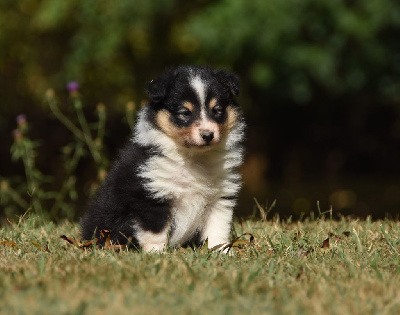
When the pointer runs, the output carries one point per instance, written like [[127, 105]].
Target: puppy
[[176, 182]]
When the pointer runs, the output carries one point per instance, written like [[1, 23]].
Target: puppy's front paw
[[153, 248]]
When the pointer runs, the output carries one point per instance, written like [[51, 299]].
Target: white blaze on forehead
[[200, 88], [205, 124]]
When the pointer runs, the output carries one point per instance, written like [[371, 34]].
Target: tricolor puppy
[[176, 181]]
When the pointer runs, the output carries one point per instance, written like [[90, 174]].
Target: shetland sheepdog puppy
[[176, 182]]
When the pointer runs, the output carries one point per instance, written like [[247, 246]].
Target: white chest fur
[[191, 186]]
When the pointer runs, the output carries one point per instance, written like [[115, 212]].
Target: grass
[[284, 271]]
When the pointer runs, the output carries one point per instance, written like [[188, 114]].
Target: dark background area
[[320, 87]]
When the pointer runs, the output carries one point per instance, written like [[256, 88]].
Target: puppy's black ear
[[230, 80], [158, 88]]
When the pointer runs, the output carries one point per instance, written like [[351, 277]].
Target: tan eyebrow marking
[[212, 103], [188, 105]]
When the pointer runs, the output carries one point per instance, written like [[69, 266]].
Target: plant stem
[[17, 198], [33, 186], [101, 125], [71, 167], [28, 166], [86, 131], [61, 195], [64, 120]]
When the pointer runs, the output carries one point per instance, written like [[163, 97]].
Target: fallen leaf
[[105, 238], [325, 243], [89, 243], [336, 238], [237, 242], [43, 248], [46, 248], [105, 234], [69, 239], [36, 244], [8, 243], [217, 247]]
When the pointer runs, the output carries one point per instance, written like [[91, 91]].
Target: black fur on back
[[122, 200]]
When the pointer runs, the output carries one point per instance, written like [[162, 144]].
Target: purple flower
[[73, 87], [21, 119]]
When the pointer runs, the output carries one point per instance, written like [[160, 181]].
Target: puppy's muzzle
[[207, 136]]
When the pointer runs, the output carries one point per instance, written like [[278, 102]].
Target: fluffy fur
[[176, 181]]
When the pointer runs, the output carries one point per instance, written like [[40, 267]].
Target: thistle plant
[[87, 140], [82, 132], [24, 149], [10, 198]]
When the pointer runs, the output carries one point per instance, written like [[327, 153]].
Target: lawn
[[284, 270]]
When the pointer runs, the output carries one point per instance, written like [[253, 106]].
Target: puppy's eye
[[218, 110], [184, 113]]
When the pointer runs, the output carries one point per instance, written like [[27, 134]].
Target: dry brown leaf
[[105, 234], [325, 243], [8, 243], [36, 244], [336, 238], [72, 241], [248, 234], [237, 242], [46, 248], [69, 240], [89, 243], [43, 248], [104, 237], [217, 247]]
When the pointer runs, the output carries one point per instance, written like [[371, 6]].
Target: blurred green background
[[320, 87]]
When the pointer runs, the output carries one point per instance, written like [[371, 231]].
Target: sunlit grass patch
[[285, 269]]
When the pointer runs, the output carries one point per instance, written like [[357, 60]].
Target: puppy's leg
[[218, 223], [151, 241]]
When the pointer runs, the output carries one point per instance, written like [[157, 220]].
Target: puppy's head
[[195, 106]]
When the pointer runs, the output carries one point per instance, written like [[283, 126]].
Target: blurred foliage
[[35, 193], [321, 79], [292, 46], [298, 46]]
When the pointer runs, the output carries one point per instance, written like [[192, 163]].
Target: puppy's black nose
[[207, 136]]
